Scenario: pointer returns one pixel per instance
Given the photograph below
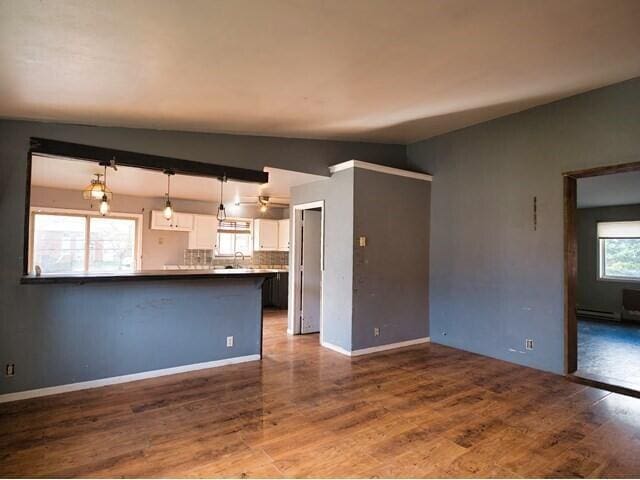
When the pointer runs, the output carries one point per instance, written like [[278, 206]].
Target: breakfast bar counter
[[81, 278]]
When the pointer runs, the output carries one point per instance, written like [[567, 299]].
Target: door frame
[[570, 207], [293, 325]]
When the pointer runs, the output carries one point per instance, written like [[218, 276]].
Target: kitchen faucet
[[235, 257]]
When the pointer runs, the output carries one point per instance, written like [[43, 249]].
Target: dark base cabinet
[[275, 291]]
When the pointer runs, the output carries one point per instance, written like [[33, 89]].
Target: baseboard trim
[[390, 346], [336, 348], [103, 382], [379, 348]]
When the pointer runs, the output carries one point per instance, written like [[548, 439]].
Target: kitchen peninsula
[[106, 227]]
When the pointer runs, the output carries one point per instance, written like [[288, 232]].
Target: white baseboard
[[379, 348], [103, 382], [390, 346], [289, 331], [336, 348]]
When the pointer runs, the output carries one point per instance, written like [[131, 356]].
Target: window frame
[[231, 255], [600, 254], [87, 214]]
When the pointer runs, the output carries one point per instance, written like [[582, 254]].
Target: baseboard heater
[[599, 314], [631, 303]]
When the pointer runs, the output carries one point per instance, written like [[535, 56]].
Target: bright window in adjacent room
[[84, 243], [59, 243], [112, 244], [234, 235], [619, 250]]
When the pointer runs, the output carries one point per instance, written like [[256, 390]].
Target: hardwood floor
[[305, 411]]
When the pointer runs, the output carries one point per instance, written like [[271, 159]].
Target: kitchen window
[[234, 235], [67, 241], [619, 250]]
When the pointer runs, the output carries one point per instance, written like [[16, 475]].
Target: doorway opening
[[306, 297], [602, 276]]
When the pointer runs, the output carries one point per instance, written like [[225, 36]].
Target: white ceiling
[[76, 175], [379, 70], [608, 190]]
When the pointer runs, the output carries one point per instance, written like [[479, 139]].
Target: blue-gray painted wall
[[386, 283], [494, 281], [391, 273], [337, 193], [59, 334]]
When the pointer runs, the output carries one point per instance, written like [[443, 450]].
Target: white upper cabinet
[[180, 222], [265, 234], [283, 235], [183, 221], [204, 235]]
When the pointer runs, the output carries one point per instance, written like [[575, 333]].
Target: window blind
[[619, 229], [234, 226]]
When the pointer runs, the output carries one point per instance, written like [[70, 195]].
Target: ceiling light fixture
[[263, 203], [167, 213], [96, 189], [104, 204], [221, 215]]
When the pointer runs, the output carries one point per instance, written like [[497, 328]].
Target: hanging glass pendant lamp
[[167, 213], [221, 215], [104, 203], [96, 189], [263, 203]]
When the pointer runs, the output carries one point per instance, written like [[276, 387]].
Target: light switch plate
[[363, 241], [229, 341]]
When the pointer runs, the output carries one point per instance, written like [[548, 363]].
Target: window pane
[[243, 243], [622, 257], [58, 243], [112, 245], [225, 244]]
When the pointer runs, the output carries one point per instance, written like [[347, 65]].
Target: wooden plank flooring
[[304, 411]]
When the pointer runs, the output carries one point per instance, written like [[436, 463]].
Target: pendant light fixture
[[222, 215], [104, 203], [263, 204], [96, 189], [167, 213]]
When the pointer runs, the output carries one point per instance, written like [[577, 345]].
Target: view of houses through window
[[76, 243]]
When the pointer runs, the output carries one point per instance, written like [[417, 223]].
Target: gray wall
[[391, 274], [337, 192], [159, 247], [47, 331], [494, 281], [384, 284], [593, 293]]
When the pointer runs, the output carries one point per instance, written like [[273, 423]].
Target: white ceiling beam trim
[[380, 169]]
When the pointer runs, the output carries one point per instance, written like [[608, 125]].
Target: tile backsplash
[[206, 257]]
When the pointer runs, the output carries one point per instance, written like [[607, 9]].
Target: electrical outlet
[[363, 241], [528, 344], [10, 369], [376, 332], [229, 341]]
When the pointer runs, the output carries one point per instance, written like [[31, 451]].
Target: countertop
[[148, 275], [276, 268]]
